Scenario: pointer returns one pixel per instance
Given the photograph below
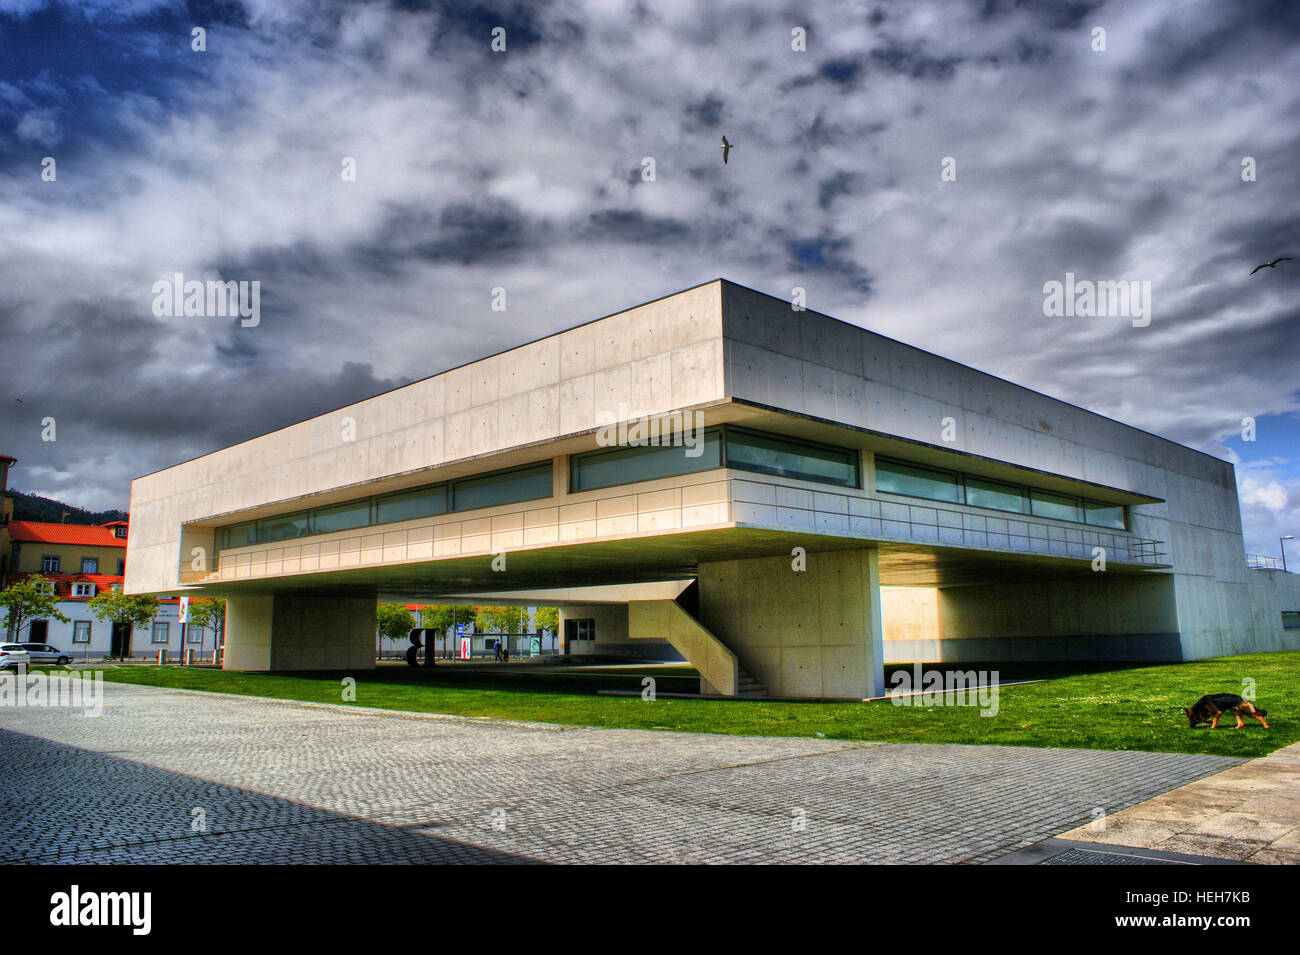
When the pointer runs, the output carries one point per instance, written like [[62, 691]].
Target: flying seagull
[[726, 149], [1270, 265]]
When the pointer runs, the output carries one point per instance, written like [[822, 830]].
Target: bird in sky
[[726, 149], [1270, 265], [19, 400]]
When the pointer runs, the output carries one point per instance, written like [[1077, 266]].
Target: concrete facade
[[1174, 583]]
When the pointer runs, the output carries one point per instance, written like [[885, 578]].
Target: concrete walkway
[[173, 777], [1248, 813]]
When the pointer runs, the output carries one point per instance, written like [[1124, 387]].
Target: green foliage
[[499, 619], [33, 507], [135, 609], [547, 618], [27, 599], [440, 616], [395, 621], [208, 613]]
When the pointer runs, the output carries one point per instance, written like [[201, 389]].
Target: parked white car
[[44, 653], [14, 655]]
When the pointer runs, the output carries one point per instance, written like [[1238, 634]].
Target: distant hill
[[33, 507]]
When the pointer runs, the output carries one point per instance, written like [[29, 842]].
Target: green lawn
[[1116, 709]]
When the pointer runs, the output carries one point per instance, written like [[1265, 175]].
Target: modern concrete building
[[793, 502]]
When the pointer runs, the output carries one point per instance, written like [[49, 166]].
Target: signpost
[[183, 615]]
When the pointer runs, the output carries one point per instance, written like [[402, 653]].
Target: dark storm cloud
[[522, 170], [1052, 14], [633, 225], [834, 186], [914, 62], [704, 114]]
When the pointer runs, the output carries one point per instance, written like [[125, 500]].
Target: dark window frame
[[961, 478], [853, 455]]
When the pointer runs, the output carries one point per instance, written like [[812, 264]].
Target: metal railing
[[1260, 562], [720, 502], [878, 518]]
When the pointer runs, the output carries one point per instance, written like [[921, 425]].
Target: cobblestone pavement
[[278, 782]]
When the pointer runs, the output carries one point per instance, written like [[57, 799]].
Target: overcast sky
[[523, 169]]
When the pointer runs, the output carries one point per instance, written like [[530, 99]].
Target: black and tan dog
[[1211, 707]]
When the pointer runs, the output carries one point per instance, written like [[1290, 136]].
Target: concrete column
[[876, 656], [813, 633], [300, 632], [248, 633]]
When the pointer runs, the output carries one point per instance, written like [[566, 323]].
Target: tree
[[209, 613], [499, 619], [441, 616], [25, 600], [547, 618], [395, 621], [130, 610]]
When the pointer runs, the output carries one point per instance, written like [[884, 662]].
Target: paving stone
[[283, 782]]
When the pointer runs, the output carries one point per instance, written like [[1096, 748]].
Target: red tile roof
[[63, 582], [49, 533]]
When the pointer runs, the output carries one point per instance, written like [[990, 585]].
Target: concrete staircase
[[748, 686], [720, 672]]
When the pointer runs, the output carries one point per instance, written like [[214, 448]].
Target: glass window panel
[[340, 517], [1291, 619], [770, 454], [894, 477], [627, 465], [283, 527], [996, 495], [1104, 515], [504, 487], [408, 505], [238, 535], [81, 631], [1059, 507]]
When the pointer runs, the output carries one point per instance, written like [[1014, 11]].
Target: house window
[[90, 565], [81, 631], [83, 590], [160, 632], [1291, 619], [579, 630], [119, 532], [121, 566], [49, 564]]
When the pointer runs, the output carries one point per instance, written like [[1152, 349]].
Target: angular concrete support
[[812, 633], [289, 632], [666, 620], [248, 633]]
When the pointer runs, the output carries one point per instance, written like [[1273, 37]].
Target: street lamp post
[[1281, 545]]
